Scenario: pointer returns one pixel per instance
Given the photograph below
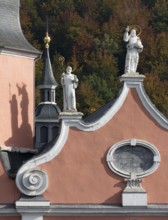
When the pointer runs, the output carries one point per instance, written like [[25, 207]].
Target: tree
[[88, 35], [159, 16]]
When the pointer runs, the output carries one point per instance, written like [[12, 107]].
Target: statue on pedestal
[[69, 83], [134, 47]]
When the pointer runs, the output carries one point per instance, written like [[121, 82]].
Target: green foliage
[[159, 16], [158, 92], [87, 34]]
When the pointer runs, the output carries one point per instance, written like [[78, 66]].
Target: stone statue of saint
[[134, 47], [69, 83]]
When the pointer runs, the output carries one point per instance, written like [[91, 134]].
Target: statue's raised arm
[[134, 47], [126, 35]]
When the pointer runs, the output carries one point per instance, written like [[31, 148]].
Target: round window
[[133, 157]]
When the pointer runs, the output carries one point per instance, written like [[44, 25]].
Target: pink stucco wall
[[17, 101], [16, 113], [8, 190], [79, 174]]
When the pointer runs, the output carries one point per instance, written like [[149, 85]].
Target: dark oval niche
[[133, 159]]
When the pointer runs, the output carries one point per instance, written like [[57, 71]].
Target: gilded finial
[[47, 40]]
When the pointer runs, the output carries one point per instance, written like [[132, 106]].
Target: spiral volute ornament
[[33, 182]]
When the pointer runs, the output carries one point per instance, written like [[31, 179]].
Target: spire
[[47, 112], [47, 76], [48, 83]]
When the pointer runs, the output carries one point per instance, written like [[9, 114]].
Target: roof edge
[[136, 81], [130, 81], [19, 52]]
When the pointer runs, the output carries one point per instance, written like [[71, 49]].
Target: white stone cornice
[[20, 53], [32, 181], [136, 82], [58, 210], [150, 107], [81, 125], [131, 81]]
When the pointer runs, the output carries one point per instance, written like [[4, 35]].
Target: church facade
[[58, 165]]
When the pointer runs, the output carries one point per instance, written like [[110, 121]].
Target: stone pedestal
[[32, 208], [132, 77], [134, 199], [134, 194], [71, 116]]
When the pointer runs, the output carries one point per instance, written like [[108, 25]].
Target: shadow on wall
[[120, 185], [8, 190], [21, 136]]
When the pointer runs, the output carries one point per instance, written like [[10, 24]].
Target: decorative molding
[[48, 103], [136, 82], [35, 205], [32, 217], [107, 210], [133, 184], [134, 194], [32, 181], [35, 181], [70, 117], [104, 119], [74, 119], [47, 120], [47, 86], [133, 142], [19, 53], [18, 149], [131, 81], [132, 77], [87, 210]]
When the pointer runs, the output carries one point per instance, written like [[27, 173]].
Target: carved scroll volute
[[32, 182]]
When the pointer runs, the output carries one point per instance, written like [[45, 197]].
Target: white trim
[[130, 81], [32, 204], [153, 111], [75, 120], [137, 83], [46, 120], [47, 86], [48, 103], [87, 210], [26, 216], [19, 53], [152, 148], [104, 119], [29, 169]]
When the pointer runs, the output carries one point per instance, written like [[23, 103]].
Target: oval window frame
[[133, 142]]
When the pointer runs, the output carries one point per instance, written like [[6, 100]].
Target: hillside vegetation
[[88, 35]]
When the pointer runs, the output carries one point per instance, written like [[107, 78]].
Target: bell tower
[[47, 123]]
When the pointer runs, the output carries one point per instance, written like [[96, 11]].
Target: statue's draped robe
[[134, 47], [69, 82]]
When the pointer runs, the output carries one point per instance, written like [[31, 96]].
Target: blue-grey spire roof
[[48, 83], [47, 76], [11, 35]]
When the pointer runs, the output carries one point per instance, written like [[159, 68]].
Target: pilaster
[[32, 208]]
